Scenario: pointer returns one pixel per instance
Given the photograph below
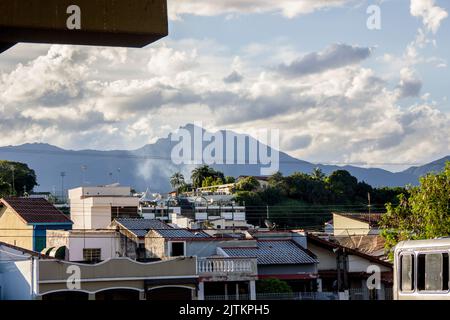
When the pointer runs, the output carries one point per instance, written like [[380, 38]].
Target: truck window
[[433, 272], [407, 273]]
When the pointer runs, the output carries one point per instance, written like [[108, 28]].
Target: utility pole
[[13, 191], [118, 175], [370, 206]]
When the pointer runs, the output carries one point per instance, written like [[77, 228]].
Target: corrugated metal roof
[[274, 252], [140, 227], [36, 210], [182, 233]]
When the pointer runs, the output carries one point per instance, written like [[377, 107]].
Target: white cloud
[[70, 96], [288, 8], [431, 14], [333, 57]]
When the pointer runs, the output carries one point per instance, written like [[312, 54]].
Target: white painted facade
[[75, 241], [17, 274], [348, 226], [91, 207]]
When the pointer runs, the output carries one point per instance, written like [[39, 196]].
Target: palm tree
[[318, 174], [199, 174], [177, 181]]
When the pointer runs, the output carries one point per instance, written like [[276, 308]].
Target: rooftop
[[330, 245], [182, 234], [140, 227], [372, 219], [35, 210], [274, 252]]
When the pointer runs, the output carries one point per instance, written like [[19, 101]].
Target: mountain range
[[151, 166]]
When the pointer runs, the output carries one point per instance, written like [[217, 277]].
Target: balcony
[[228, 269]]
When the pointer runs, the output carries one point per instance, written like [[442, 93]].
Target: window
[[177, 249], [141, 251], [92, 255], [433, 272], [407, 273]]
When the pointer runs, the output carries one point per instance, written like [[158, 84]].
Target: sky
[[337, 91]]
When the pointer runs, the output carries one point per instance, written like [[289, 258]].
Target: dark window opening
[[92, 255], [124, 212], [177, 249]]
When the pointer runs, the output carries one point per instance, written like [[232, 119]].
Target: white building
[[86, 245], [17, 267], [96, 207]]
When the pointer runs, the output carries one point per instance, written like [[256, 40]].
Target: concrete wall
[[286, 269], [359, 264], [14, 230], [90, 207], [344, 226], [17, 275], [107, 241], [155, 245], [327, 259], [53, 275], [95, 213]]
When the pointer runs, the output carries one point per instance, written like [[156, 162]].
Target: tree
[[229, 179], [343, 186], [18, 175], [270, 196], [272, 285], [187, 187], [248, 184], [422, 213], [318, 174], [177, 181], [248, 198], [201, 173], [5, 189], [278, 181]]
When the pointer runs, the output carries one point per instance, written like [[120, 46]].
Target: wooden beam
[[125, 23]]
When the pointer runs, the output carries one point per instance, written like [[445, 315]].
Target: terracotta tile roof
[[316, 240], [35, 210], [370, 244]]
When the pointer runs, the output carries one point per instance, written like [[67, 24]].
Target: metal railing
[[366, 294], [278, 296]]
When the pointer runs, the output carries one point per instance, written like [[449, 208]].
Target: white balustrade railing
[[219, 265]]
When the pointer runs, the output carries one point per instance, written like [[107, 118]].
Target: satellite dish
[[270, 225]]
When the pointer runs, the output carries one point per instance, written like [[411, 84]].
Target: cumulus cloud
[[335, 56], [233, 77], [288, 8], [410, 85], [298, 142], [70, 96], [431, 14]]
